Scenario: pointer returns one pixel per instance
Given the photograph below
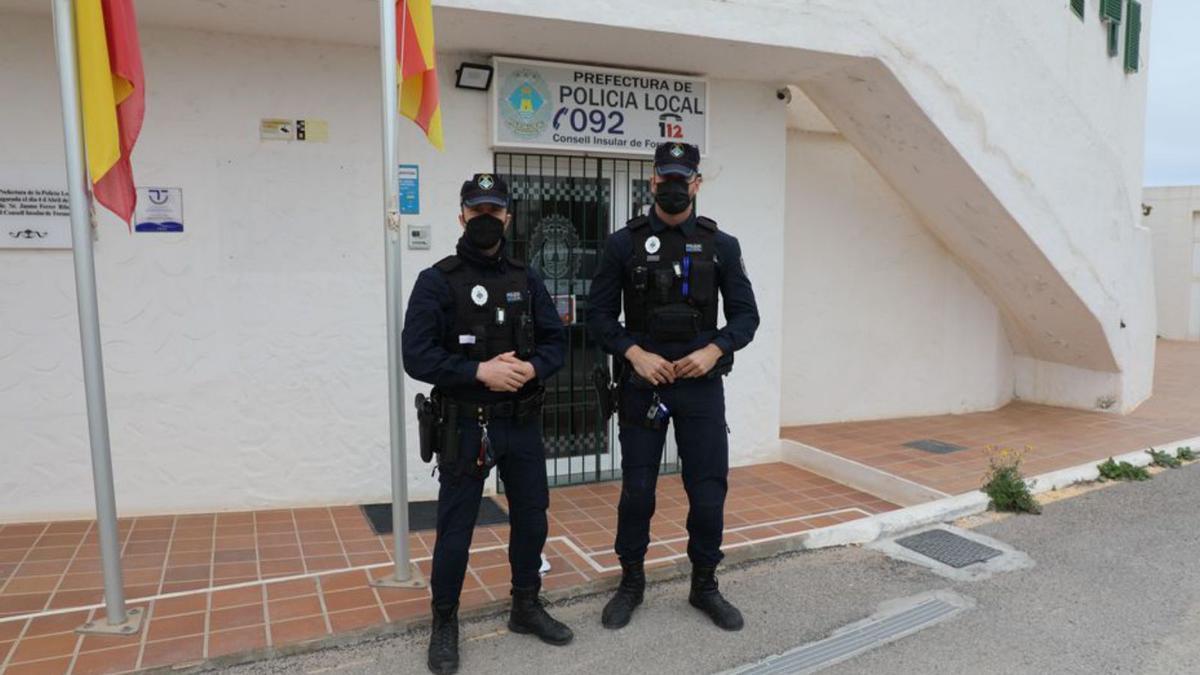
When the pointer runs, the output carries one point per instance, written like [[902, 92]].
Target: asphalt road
[[1114, 589]]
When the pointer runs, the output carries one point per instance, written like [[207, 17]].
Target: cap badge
[[479, 295], [652, 245], [486, 182], [677, 151]]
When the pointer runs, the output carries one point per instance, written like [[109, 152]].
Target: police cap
[[676, 159], [485, 188]]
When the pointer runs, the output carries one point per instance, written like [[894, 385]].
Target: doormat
[[423, 515]]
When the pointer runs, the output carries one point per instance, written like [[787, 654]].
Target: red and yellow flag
[[418, 70], [112, 92]]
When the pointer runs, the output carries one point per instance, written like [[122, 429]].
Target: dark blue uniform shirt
[[604, 299], [429, 322]]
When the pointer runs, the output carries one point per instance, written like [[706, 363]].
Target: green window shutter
[[1078, 6], [1110, 10], [1133, 37]]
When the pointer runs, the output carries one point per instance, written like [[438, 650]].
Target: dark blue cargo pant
[[697, 411], [521, 461]]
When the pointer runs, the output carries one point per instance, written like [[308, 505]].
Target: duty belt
[[520, 409]]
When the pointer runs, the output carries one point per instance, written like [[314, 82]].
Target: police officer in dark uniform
[[483, 330], [665, 269]]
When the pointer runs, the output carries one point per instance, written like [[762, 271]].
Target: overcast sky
[[1173, 117]]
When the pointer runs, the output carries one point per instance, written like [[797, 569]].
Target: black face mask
[[672, 197], [484, 231]]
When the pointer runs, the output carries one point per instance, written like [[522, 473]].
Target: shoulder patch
[[706, 223], [638, 222], [448, 264]]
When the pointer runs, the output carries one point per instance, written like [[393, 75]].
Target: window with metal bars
[[563, 208], [1078, 6], [1133, 37]]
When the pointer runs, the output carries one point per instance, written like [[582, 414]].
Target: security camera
[[784, 94]]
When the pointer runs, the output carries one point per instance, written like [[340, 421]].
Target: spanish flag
[[418, 71], [112, 92]]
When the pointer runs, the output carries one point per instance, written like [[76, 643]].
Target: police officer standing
[[483, 330], [665, 269]]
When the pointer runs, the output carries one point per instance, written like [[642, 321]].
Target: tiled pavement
[[1059, 437], [216, 584]]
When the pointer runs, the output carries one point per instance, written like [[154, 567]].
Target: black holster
[[437, 426], [448, 438], [606, 387], [427, 427]]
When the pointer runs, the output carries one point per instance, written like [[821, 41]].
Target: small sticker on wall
[[308, 130], [159, 209], [410, 189], [315, 131]]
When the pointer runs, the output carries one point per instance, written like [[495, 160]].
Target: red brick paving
[[229, 570], [1059, 437]]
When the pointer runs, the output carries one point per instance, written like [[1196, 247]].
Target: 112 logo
[[670, 125]]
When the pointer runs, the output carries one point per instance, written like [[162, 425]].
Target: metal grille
[[934, 446], [948, 548], [563, 209], [850, 642]]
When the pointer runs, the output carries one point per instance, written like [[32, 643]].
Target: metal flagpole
[[405, 575], [118, 620]]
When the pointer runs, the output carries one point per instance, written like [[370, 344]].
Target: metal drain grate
[[864, 637], [936, 447], [948, 548]]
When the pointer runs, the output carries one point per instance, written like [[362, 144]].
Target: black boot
[[619, 609], [443, 640], [528, 616], [706, 598]]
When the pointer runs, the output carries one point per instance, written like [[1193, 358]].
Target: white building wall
[[1175, 221], [1005, 125], [744, 175], [245, 359], [881, 320]]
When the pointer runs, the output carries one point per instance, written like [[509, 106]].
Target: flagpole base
[[131, 627], [416, 580]]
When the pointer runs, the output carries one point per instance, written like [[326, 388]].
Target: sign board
[[560, 106], [159, 209], [410, 189], [35, 211], [276, 129]]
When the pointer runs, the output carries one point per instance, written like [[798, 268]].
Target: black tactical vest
[[671, 281], [492, 315]]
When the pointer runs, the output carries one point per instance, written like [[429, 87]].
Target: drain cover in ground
[[908, 617], [936, 447], [948, 548], [423, 515]]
